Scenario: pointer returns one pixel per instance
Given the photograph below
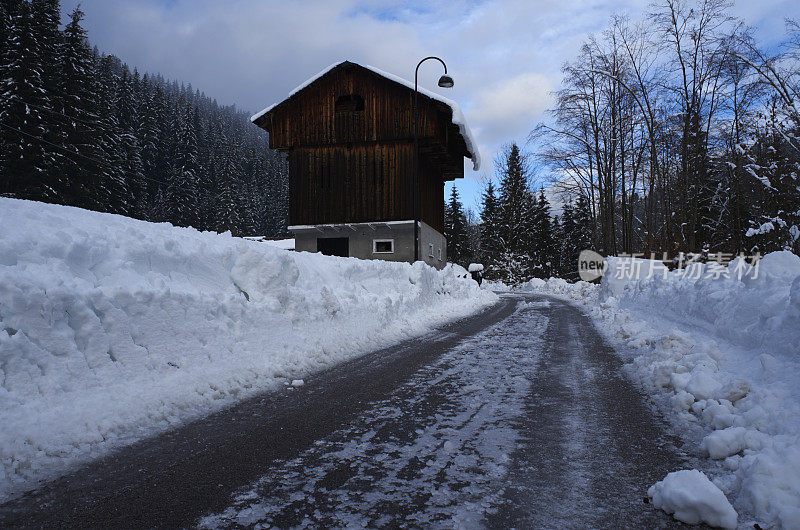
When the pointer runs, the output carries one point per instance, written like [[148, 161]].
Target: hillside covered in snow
[[719, 351], [112, 329]]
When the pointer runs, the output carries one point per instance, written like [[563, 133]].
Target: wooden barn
[[348, 133]]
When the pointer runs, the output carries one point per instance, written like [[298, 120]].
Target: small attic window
[[349, 103]]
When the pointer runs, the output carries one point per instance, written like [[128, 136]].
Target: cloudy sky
[[505, 55]]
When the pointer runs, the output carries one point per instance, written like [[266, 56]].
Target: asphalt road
[[516, 417]]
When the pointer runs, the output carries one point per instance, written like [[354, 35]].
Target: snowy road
[[518, 416]]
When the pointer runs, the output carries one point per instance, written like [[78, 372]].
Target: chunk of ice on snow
[[297, 382], [730, 441], [690, 497], [703, 385]]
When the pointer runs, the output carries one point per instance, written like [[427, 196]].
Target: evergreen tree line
[[517, 237], [79, 128], [680, 134]]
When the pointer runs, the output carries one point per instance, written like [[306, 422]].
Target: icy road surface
[[527, 424], [518, 417]]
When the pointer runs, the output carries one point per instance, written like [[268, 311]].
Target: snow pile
[[458, 116], [720, 351], [758, 308], [620, 270], [112, 329], [693, 499], [285, 244], [582, 292]]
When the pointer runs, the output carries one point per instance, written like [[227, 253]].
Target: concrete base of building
[[390, 241]]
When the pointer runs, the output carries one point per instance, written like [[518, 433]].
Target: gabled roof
[[458, 116]]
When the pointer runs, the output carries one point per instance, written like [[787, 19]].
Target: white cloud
[[510, 107]]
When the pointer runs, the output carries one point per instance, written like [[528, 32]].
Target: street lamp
[[445, 81]]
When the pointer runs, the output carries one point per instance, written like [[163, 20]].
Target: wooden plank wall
[[309, 118], [350, 168], [357, 184]]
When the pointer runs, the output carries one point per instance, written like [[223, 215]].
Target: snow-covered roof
[[458, 115]]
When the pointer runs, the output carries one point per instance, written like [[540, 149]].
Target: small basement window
[[349, 103], [440, 253], [383, 246], [430, 250]]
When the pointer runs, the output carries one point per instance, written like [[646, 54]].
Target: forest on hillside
[[77, 127]]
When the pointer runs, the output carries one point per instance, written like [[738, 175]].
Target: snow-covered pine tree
[[47, 19], [773, 163], [124, 173], [131, 164], [227, 207], [161, 154], [147, 139], [88, 185], [514, 201], [22, 98], [5, 29], [182, 189]]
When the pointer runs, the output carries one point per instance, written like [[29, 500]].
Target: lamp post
[[445, 81]]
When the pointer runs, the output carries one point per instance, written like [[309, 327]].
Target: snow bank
[[112, 329], [720, 351], [285, 244], [756, 308], [458, 116], [693, 499]]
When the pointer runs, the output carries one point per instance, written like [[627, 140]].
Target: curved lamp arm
[[416, 153], [416, 72]]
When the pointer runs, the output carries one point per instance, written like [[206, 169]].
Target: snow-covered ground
[[719, 349], [285, 244], [113, 329]]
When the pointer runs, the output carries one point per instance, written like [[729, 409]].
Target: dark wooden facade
[[349, 139]]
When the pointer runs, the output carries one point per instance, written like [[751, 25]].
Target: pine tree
[[513, 265], [557, 260], [227, 211], [22, 98], [582, 235], [513, 199], [544, 244], [122, 170], [491, 244], [131, 164], [5, 29], [455, 231], [89, 186], [529, 237], [566, 241], [182, 189], [46, 19]]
